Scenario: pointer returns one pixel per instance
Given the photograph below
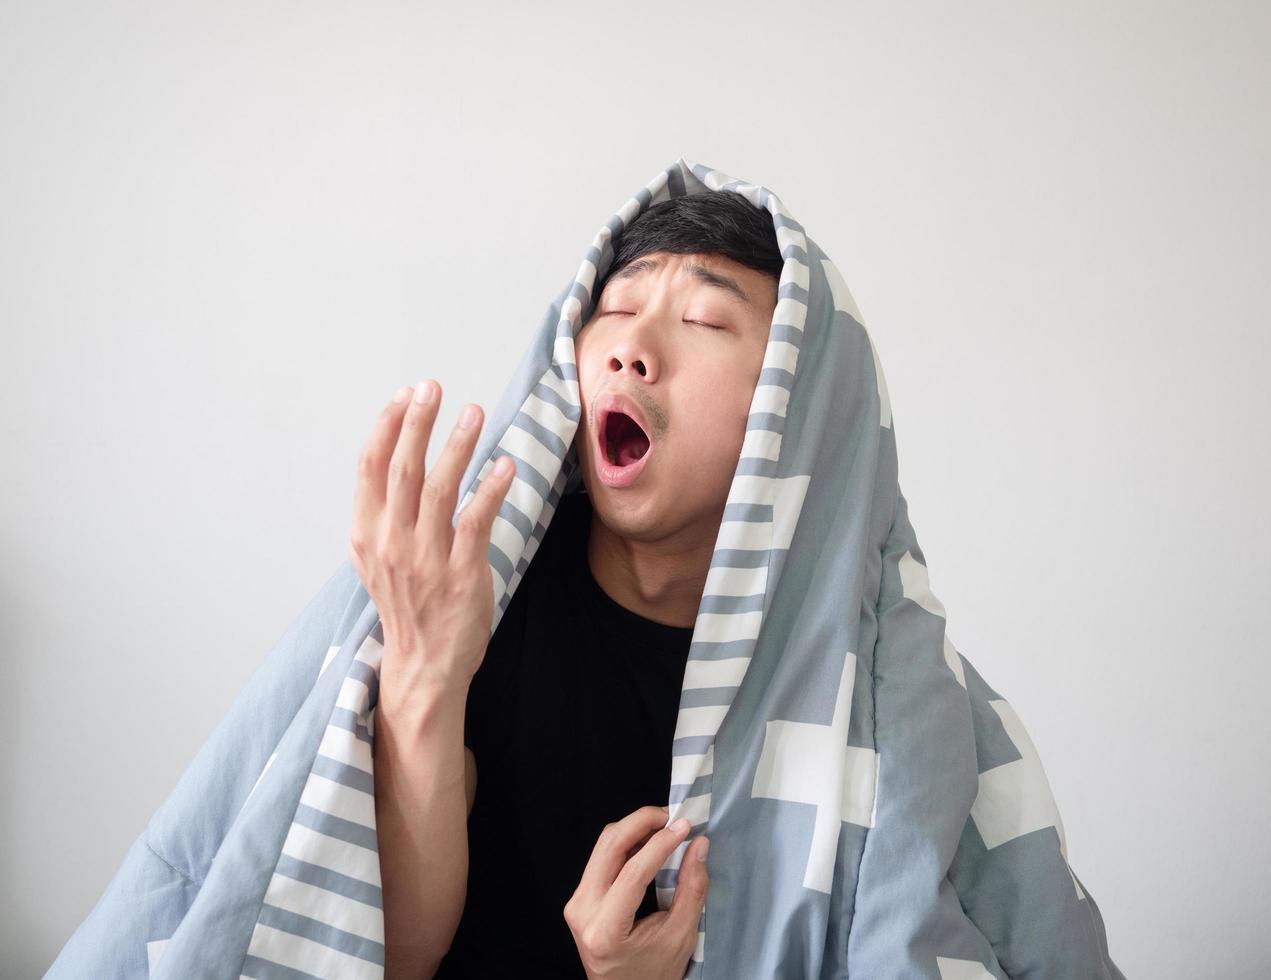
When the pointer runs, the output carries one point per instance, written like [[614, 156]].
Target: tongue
[[630, 448], [627, 442]]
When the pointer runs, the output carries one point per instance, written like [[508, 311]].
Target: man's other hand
[[601, 912]]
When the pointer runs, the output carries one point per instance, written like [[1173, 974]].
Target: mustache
[[652, 411]]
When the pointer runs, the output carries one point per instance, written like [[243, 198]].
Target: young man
[[583, 674]]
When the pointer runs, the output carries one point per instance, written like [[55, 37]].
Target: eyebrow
[[696, 270]]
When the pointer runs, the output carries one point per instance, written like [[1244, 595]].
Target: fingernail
[[666, 809], [705, 846], [424, 392], [680, 825], [402, 394], [467, 416]]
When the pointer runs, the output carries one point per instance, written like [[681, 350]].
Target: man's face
[[694, 383]]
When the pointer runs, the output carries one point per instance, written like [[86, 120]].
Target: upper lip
[[616, 401]]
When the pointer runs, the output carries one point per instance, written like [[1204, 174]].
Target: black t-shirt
[[570, 717]]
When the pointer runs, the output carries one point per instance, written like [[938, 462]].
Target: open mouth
[[623, 440]]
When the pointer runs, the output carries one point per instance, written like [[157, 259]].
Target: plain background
[[231, 230]]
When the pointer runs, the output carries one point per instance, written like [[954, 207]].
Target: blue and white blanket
[[875, 808]]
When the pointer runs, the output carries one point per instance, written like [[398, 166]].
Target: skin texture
[[651, 542]]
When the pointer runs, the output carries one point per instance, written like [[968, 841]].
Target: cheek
[[718, 409], [588, 356]]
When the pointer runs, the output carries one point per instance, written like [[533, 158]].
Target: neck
[[662, 581]]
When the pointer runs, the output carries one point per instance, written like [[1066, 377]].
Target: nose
[[631, 353], [637, 365]]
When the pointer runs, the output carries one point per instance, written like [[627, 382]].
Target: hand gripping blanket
[[875, 808]]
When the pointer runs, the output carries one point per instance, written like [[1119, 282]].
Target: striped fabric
[[875, 808]]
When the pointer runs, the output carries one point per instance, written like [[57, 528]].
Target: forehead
[[740, 283]]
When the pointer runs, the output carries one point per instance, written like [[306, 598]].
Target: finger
[[441, 483], [616, 912], [472, 526], [369, 492], [611, 850], [406, 465], [691, 885]]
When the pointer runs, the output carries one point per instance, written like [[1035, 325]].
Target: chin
[[638, 516]]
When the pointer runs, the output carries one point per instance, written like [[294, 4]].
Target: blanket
[[875, 808]]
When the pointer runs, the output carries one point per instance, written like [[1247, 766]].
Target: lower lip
[[619, 476]]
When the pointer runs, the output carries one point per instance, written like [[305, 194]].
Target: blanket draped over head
[[875, 809]]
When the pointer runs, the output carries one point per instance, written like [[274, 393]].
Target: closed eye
[[699, 323]]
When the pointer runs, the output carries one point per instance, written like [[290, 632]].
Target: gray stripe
[[523, 565], [513, 514], [731, 604], [705, 697], [691, 745], [605, 259], [796, 252], [792, 290], [351, 776], [360, 670], [700, 786], [783, 331], [749, 513], [548, 437], [333, 826], [765, 421], [563, 371], [757, 466], [776, 376], [675, 181], [348, 720], [711, 650], [564, 328], [319, 932], [524, 470], [787, 222], [332, 881], [579, 292], [552, 398], [500, 563], [740, 558]]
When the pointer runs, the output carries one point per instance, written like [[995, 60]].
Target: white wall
[[229, 233]]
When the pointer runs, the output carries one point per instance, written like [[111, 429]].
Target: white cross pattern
[[951, 969], [1015, 798], [843, 300], [804, 762]]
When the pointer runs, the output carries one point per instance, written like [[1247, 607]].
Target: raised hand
[[429, 580], [601, 912]]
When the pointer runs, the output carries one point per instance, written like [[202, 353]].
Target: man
[[667, 366]]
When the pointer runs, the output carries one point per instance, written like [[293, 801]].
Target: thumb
[[690, 889]]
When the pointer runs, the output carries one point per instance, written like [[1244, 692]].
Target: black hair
[[720, 222]]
